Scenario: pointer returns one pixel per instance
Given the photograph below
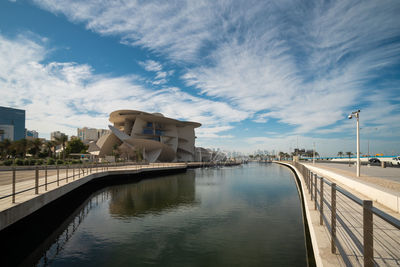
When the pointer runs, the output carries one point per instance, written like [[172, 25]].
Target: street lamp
[[357, 115]]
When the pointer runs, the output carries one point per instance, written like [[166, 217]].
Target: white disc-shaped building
[[157, 137]]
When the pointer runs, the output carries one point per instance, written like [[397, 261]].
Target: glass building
[[12, 123]]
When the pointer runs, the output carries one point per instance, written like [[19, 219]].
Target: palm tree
[[349, 154], [36, 146], [49, 146], [340, 154], [62, 140], [5, 146], [20, 147]]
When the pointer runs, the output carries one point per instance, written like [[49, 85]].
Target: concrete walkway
[[349, 224], [381, 185]]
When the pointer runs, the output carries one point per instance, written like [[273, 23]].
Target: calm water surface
[[234, 216]]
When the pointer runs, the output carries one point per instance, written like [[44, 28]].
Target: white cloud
[[151, 65], [66, 95], [303, 63]]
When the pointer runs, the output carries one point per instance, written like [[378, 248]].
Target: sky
[[268, 75]]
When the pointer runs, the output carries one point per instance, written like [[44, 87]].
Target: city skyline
[[269, 75]]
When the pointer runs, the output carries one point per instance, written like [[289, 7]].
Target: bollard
[[45, 177], [58, 176], [368, 233], [321, 202], [333, 218], [315, 191], [13, 184], [383, 164], [36, 180]]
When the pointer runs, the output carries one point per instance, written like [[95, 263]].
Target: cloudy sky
[[270, 75]]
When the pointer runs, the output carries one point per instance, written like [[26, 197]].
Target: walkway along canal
[[346, 230], [246, 215]]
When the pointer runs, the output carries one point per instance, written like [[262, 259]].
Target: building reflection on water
[[153, 195]]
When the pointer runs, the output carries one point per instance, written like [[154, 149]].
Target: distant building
[[91, 134], [56, 134], [156, 137], [31, 134], [12, 124]]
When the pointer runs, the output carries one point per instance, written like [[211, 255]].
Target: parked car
[[395, 161], [374, 160]]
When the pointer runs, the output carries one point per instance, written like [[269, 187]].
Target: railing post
[[315, 191], [45, 177], [333, 218], [87, 169], [368, 233], [321, 202], [36, 180], [73, 173], [13, 184], [66, 174], [311, 187], [79, 170], [58, 175]]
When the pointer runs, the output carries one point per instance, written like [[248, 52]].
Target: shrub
[[32, 162], [50, 161], [8, 162], [26, 162], [19, 162], [60, 162], [39, 162]]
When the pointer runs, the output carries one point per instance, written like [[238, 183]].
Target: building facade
[[56, 134], [91, 134], [12, 123], [31, 134], [157, 138]]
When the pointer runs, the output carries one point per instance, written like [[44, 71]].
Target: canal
[[248, 215]]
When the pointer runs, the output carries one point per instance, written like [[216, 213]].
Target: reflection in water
[[152, 195], [241, 216]]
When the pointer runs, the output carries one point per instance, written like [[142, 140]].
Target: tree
[[5, 147], [50, 145], [76, 146], [349, 154], [62, 141], [35, 146], [340, 154], [20, 147]]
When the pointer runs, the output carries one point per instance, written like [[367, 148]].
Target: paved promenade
[[349, 221]]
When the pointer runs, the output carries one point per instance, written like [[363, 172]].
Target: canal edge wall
[[383, 196], [14, 214], [318, 235]]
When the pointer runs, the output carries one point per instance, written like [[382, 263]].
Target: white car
[[395, 161]]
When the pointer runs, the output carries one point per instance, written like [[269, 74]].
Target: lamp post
[[357, 115]]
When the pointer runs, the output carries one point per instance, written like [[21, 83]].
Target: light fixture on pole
[[357, 115]]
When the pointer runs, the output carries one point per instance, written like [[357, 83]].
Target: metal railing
[[358, 231], [64, 174]]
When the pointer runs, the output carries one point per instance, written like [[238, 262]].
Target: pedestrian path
[[344, 230]]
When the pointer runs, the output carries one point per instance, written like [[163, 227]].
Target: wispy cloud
[[66, 95], [303, 63]]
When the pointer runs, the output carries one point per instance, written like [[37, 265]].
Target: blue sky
[[270, 75]]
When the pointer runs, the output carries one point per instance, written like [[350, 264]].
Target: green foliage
[[50, 161], [19, 162], [60, 162], [8, 162], [76, 146], [39, 162]]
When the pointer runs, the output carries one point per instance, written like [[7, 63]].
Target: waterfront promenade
[[346, 229], [24, 190]]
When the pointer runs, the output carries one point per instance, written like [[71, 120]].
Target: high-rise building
[[12, 123], [91, 134], [56, 134], [31, 134]]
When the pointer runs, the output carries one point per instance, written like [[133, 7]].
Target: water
[[234, 216]]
